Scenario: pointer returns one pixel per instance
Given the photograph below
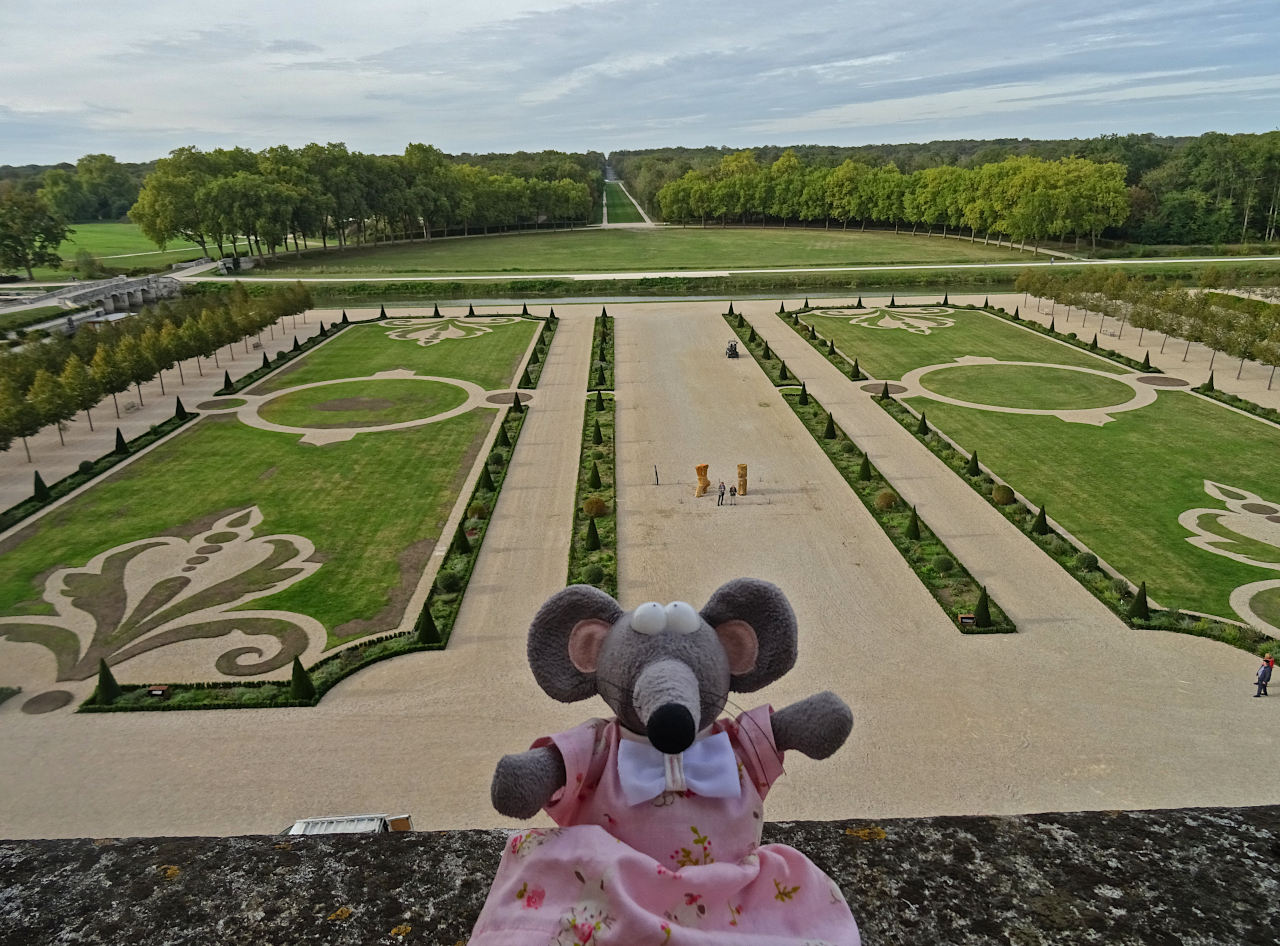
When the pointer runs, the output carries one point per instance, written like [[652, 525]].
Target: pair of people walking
[[733, 495], [1263, 676]]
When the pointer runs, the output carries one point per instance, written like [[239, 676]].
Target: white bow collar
[[708, 767]]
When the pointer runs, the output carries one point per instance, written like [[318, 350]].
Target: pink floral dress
[[680, 869]]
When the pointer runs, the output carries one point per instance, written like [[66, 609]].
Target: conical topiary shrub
[[829, 432], [859, 304], [266, 362], [986, 302], [533, 356], [382, 311], [806, 302], [593, 480], [731, 308], [946, 299], [41, 490], [525, 380], [812, 333], [741, 320], [226, 383], [913, 526], [503, 439], [767, 354], [1016, 316], [604, 313], [108, 690], [1208, 385], [1041, 525], [893, 301], [982, 610], [524, 308], [831, 346], [1138, 608], [855, 372], [597, 437], [593, 536], [344, 319], [1052, 327], [516, 405], [864, 470], [179, 411], [602, 379], [296, 345], [461, 544], [122, 446], [804, 394], [553, 317], [922, 428], [972, 469], [486, 479], [782, 308], [884, 392], [600, 405], [300, 686], [428, 633], [782, 372], [471, 309], [1094, 344], [751, 335], [435, 311], [1146, 360]]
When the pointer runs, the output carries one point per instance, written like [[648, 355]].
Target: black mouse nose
[[671, 729]]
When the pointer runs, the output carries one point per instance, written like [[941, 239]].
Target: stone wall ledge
[[1181, 876]]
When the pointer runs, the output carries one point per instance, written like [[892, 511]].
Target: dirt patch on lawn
[[355, 404], [413, 561]]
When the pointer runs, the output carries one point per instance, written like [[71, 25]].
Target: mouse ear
[[565, 639], [765, 610]]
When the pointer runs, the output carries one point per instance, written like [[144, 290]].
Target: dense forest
[[1213, 188]]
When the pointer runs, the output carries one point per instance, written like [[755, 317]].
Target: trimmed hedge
[[598, 566], [1239, 403], [282, 359], [601, 355]]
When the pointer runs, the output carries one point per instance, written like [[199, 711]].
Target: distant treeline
[[318, 191], [1213, 188]]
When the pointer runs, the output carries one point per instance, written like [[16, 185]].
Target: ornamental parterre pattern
[[918, 320], [432, 331]]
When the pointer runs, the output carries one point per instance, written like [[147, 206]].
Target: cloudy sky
[[137, 78]]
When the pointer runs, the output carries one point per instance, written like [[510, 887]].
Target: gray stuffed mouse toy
[[660, 808]]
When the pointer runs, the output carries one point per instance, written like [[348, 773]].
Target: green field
[[117, 246], [892, 351], [1120, 488], [621, 209], [674, 249], [1026, 386], [373, 506]]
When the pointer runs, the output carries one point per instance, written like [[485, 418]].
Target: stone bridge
[[122, 294]]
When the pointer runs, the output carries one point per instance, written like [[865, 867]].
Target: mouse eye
[[649, 618], [681, 618]]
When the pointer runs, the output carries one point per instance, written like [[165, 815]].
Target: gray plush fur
[[582, 643]]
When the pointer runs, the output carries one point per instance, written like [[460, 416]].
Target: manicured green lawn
[[1045, 389], [374, 506], [489, 359], [362, 403], [1120, 488], [674, 248], [621, 209], [117, 239], [887, 353]]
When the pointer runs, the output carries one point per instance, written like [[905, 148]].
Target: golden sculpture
[[742, 479], [703, 482]]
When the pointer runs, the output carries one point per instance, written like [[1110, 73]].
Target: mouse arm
[[816, 726], [524, 782]]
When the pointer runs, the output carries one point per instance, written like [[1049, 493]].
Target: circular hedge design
[[1037, 388], [364, 403]]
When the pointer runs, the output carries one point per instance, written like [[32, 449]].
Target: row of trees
[[1212, 188], [1213, 319], [48, 381], [226, 197], [1026, 198], [30, 232]]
